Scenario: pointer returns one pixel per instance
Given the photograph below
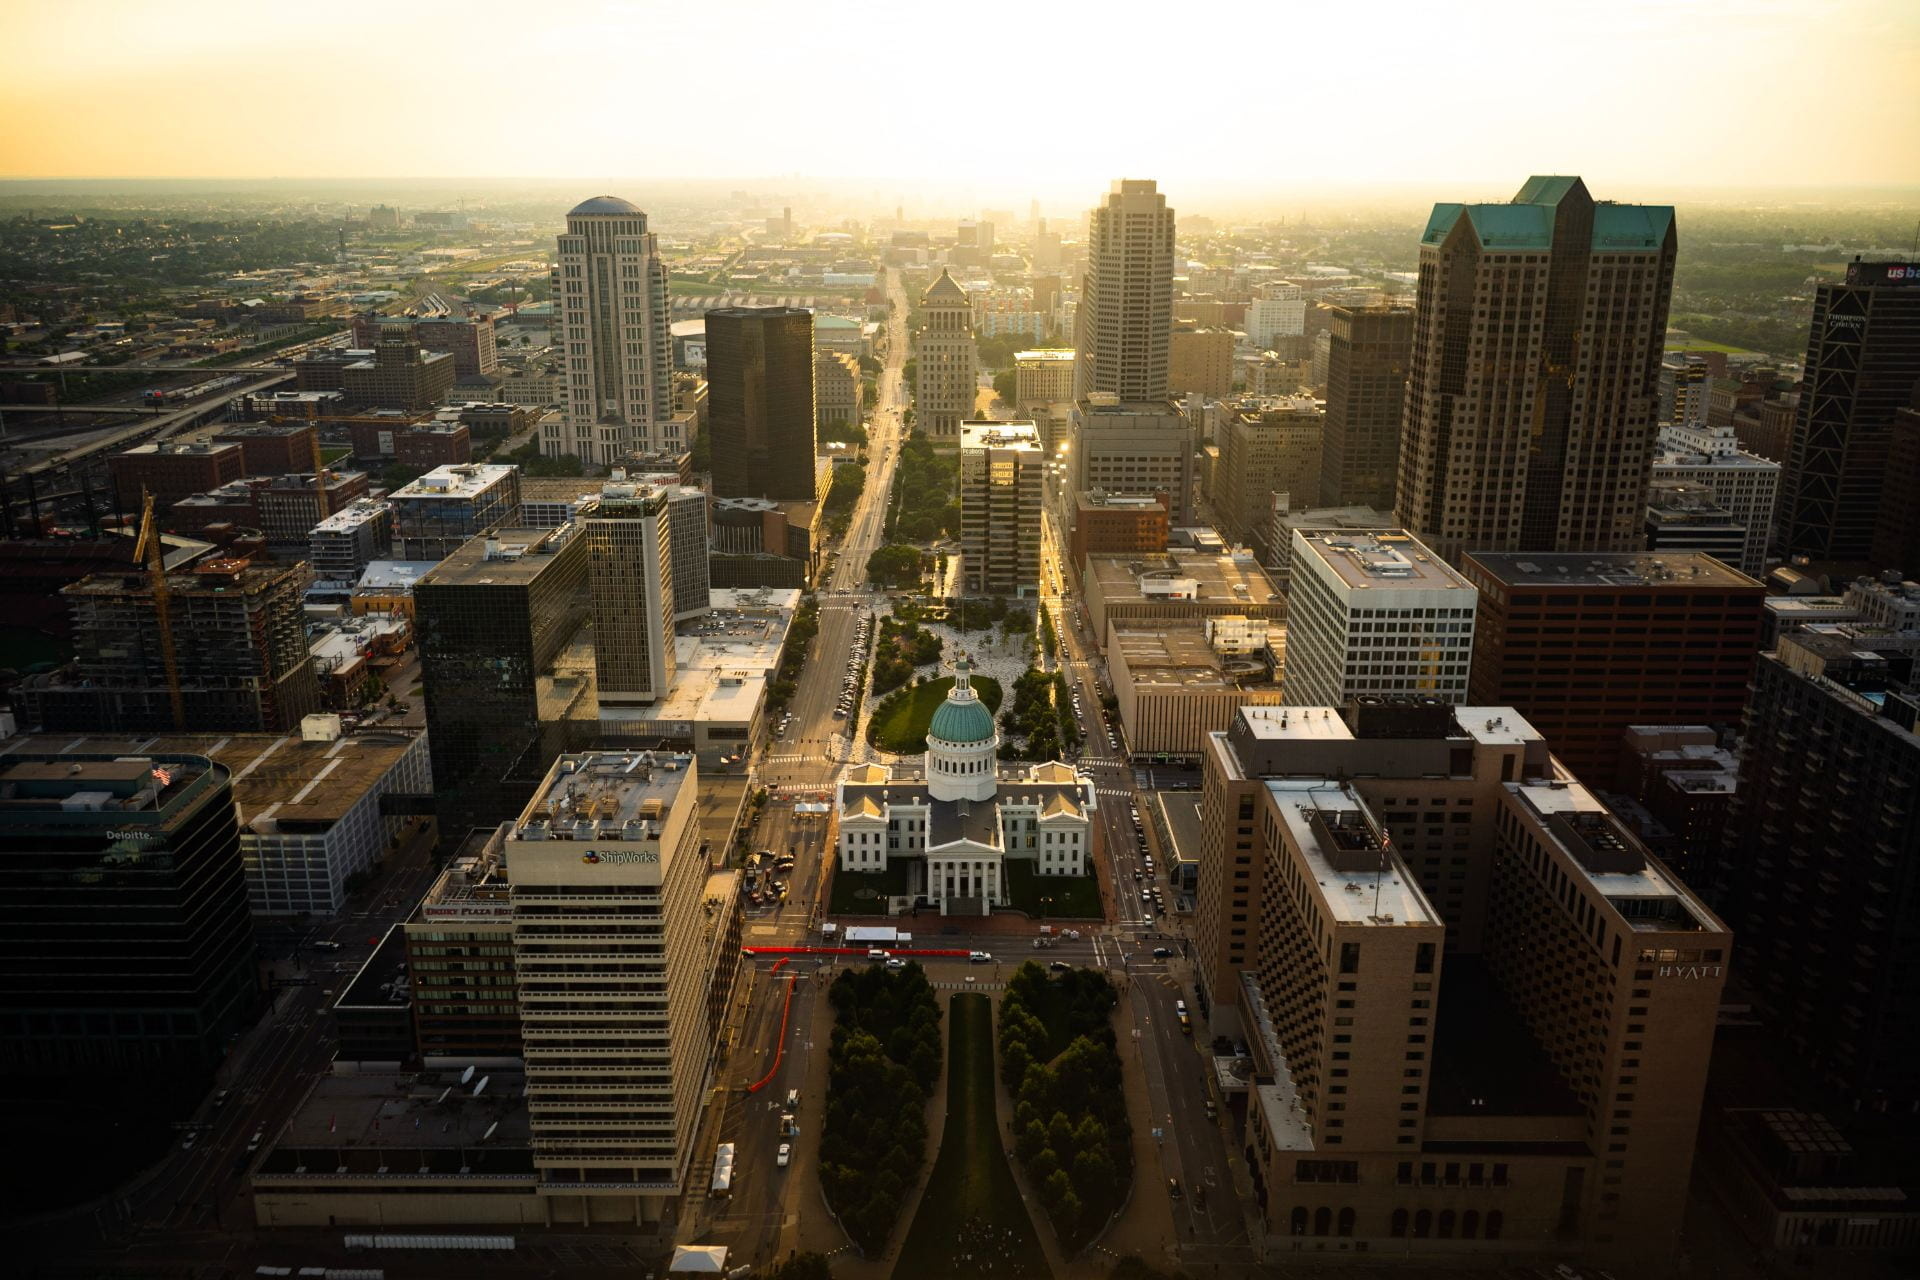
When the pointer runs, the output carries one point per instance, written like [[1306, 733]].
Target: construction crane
[[150, 550], [319, 477]]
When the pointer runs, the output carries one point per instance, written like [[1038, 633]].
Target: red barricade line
[[780, 1049]]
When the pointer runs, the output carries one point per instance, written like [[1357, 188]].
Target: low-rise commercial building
[[340, 547], [446, 507], [172, 471], [271, 448], [1178, 681], [1375, 613], [288, 507], [1178, 584], [1117, 524]]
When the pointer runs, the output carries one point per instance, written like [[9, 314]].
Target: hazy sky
[[1018, 96]]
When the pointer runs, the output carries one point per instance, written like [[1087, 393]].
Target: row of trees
[[903, 646], [881, 1065], [925, 506], [844, 491], [1062, 1066], [1039, 716], [793, 654]]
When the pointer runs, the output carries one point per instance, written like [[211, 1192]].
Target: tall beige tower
[[610, 303], [630, 576], [1533, 390], [1126, 299], [947, 361]]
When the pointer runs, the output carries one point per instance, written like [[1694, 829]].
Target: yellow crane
[[151, 551]]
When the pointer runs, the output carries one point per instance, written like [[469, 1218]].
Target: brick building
[[1585, 645]]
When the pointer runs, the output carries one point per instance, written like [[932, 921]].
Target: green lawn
[[1701, 344], [971, 1221], [1074, 897], [901, 723], [865, 892], [332, 453]]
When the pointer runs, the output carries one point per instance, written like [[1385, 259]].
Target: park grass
[[1701, 344], [971, 1220], [901, 724], [865, 893], [1073, 897]]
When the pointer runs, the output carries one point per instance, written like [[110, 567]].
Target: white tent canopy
[[698, 1260]]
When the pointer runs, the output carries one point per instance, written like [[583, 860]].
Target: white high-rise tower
[[610, 304], [1126, 300]]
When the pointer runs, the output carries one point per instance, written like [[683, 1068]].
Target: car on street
[[876, 953], [1136, 874], [785, 1156], [259, 1136], [1060, 966], [979, 957], [326, 944], [895, 962], [191, 1138], [1173, 1188], [1163, 953]]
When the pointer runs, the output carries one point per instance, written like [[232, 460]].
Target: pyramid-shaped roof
[[946, 288]]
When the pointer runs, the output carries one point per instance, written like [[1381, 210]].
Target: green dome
[[961, 721]]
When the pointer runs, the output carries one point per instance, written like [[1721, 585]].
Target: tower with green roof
[[1533, 389]]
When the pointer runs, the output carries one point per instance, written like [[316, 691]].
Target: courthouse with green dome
[[960, 816]]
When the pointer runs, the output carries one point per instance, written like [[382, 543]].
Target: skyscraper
[[946, 362], [1477, 1009], [760, 402], [1002, 473], [1821, 855], [1367, 351], [1863, 365], [125, 944], [1533, 390], [491, 619], [610, 303], [630, 576], [1126, 299], [606, 865]]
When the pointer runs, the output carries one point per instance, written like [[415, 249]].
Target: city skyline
[[140, 54]]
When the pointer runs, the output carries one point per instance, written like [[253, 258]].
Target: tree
[[895, 565], [1004, 385]]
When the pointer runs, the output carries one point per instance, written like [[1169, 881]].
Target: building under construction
[[238, 642]]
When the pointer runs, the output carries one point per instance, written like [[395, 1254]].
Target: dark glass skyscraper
[[1367, 355], [492, 619], [125, 943], [760, 402], [1821, 861], [1863, 363]]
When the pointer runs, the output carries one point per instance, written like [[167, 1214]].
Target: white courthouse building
[[965, 815]]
